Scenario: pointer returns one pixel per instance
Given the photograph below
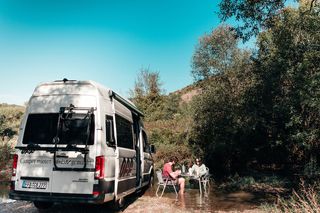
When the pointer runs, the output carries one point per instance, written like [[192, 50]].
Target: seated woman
[[198, 169]]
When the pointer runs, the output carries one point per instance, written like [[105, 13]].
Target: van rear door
[[74, 156], [70, 175], [35, 162], [59, 156]]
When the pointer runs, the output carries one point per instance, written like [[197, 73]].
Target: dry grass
[[305, 200]]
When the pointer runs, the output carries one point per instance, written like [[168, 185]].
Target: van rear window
[[42, 128]]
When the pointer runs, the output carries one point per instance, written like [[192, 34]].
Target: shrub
[[5, 161]]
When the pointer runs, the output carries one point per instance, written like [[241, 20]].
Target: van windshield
[[76, 128]]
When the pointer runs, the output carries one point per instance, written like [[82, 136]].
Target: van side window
[[109, 129], [145, 142], [124, 132]]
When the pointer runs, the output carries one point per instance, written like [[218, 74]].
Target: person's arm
[[202, 170], [175, 174]]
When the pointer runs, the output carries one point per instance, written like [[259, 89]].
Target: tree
[[215, 52], [147, 94], [255, 15], [265, 107], [287, 66], [222, 116]]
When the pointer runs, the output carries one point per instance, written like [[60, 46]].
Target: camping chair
[[164, 182], [205, 179]]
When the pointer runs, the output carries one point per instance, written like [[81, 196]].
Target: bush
[[6, 151], [10, 118]]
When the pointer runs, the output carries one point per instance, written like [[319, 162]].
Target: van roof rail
[[64, 80], [125, 102]]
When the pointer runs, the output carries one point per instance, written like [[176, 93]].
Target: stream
[[191, 201]]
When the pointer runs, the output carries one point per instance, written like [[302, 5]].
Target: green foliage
[[264, 107], [223, 115], [10, 117], [170, 139], [148, 96], [288, 58], [268, 184], [253, 14], [166, 118], [215, 53], [251, 109], [6, 150]]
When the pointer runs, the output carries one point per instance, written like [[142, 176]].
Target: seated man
[[168, 173]]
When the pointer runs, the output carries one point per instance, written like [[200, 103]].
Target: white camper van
[[80, 142]]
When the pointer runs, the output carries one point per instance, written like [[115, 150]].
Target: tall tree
[[221, 116], [266, 110], [214, 53], [288, 57], [147, 93]]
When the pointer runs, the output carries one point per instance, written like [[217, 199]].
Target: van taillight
[[14, 164], [99, 170]]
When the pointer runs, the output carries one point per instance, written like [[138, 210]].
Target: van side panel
[[126, 177], [125, 156]]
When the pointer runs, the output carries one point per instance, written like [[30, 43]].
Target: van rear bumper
[[56, 197]]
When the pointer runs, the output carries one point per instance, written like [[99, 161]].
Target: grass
[[305, 200], [267, 184]]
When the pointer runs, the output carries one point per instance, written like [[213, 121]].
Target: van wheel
[[42, 205]]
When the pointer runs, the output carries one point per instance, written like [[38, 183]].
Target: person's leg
[[181, 184]]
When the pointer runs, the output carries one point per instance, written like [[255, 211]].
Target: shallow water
[[212, 200], [4, 190], [191, 201]]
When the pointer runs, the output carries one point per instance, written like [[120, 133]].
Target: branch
[[312, 4]]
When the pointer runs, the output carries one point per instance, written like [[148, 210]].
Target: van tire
[[42, 205]]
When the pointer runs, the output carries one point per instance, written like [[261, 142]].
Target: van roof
[[88, 87]]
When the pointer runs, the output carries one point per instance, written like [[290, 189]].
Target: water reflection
[[210, 201], [4, 192], [191, 201]]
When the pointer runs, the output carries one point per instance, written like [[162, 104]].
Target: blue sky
[[105, 41]]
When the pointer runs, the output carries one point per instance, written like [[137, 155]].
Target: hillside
[[10, 117], [188, 92]]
